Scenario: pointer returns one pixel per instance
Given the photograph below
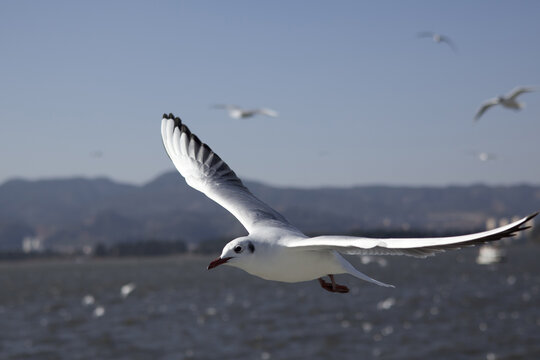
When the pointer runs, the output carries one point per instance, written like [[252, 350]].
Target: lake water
[[445, 307]]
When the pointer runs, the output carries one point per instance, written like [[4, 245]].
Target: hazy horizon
[[266, 183]]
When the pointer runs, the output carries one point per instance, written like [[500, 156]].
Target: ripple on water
[[99, 311], [386, 304], [229, 314]]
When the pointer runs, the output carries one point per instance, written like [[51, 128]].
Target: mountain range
[[73, 212]]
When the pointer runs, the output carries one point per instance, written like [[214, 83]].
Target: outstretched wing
[[518, 91], [485, 106], [420, 247], [450, 43], [267, 112], [205, 171]]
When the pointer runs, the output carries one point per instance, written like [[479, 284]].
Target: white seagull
[[275, 249], [509, 101], [438, 38], [483, 155], [237, 112]]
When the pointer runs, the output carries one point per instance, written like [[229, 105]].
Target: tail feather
[[351, 270]]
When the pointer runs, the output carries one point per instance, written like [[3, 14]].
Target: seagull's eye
[[238, 249]]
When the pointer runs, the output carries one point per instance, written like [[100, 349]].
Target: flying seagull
[[483, 155], [275, 249], [508, 101], [438, 38], [237, 112]]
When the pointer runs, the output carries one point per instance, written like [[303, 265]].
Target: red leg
[[325, 285], [333, 287]]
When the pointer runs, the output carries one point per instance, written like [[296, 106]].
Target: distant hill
[[79, 211]]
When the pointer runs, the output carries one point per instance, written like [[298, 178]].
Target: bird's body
[[275, 260], [272, 260], [237, 112], [276, 250], [484, 156], [438, 38], [509, 101]]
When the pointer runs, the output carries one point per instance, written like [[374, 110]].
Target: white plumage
[[237, 112], [275, 249], [509, 101], [438, 38]]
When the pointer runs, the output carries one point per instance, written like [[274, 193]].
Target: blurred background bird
[[237, 112], [509, 101], [438, 38]]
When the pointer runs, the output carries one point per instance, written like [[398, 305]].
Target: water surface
[[445, 307]]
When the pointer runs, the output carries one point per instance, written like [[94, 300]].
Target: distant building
[[32, 244], [492, 223]]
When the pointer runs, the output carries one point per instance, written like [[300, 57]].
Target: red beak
[[218, 262]]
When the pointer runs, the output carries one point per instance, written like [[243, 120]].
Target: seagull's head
[[236, 253]]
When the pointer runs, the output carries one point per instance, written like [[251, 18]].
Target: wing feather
[[267, 112], [450, 43], [418, 247], [485, 106], [205, 171], [518, 91]]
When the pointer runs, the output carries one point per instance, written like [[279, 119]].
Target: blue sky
[[361, 99]]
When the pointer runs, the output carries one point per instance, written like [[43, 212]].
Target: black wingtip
[[195, 138], [184, 128], [531, 216], [177, 120]]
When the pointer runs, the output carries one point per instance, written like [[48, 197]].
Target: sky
[[362, 100]]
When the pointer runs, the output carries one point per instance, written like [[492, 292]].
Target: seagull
[[237, 112], [438, 38], [508, 101], [276, 250], [483, 156]]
